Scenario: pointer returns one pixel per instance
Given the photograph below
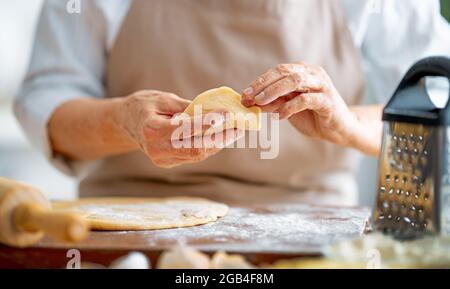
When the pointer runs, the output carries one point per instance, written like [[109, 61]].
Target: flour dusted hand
[[306, 96], [146, 118]]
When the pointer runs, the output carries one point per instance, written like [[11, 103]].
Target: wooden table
[[261, 233]]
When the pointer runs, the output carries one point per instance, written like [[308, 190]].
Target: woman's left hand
[[306, 96]]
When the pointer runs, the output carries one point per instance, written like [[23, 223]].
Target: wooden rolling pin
[[26, 215]]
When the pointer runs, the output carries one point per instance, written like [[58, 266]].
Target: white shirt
[[70, 52]]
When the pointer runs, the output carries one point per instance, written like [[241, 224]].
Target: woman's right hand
[[146, 118]]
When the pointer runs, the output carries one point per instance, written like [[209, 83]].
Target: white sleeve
[[67, 62], [398, 34]]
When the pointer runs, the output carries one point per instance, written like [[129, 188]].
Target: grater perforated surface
[[404, 205]]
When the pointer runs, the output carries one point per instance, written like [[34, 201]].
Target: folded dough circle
[[115, 214], [225, 98]]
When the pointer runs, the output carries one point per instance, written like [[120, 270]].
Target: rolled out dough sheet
[[225, 98], [116, 214]]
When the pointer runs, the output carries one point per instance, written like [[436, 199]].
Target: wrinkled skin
[[147, 119], [305, 95]]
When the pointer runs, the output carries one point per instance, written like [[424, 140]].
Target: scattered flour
[[293, 228]]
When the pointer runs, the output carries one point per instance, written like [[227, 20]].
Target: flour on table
[[281, 229], [288, 228]]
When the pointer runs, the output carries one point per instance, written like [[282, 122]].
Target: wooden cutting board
[[261, 233]]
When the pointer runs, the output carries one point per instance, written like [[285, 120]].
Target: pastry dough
[[182, 257], [222, 260], [376, 250], [144, 213], [225, 98]]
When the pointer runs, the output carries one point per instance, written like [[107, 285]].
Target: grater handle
[[411, 102], [431, 66]]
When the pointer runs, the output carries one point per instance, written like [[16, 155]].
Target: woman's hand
[[306, 96], [147, 119]]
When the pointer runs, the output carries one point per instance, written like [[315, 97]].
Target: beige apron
[[188, 46]]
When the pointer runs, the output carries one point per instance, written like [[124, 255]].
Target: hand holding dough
[[225, 98], [113, 214]]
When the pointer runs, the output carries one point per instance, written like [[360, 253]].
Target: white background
[[17, 159]]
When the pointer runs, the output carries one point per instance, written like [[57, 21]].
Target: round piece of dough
[[116, 214]]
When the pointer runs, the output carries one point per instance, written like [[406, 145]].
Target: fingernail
[[248, 101], [248, 91], [260, 98]]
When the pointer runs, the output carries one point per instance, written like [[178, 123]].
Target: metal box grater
[[414, 166]]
